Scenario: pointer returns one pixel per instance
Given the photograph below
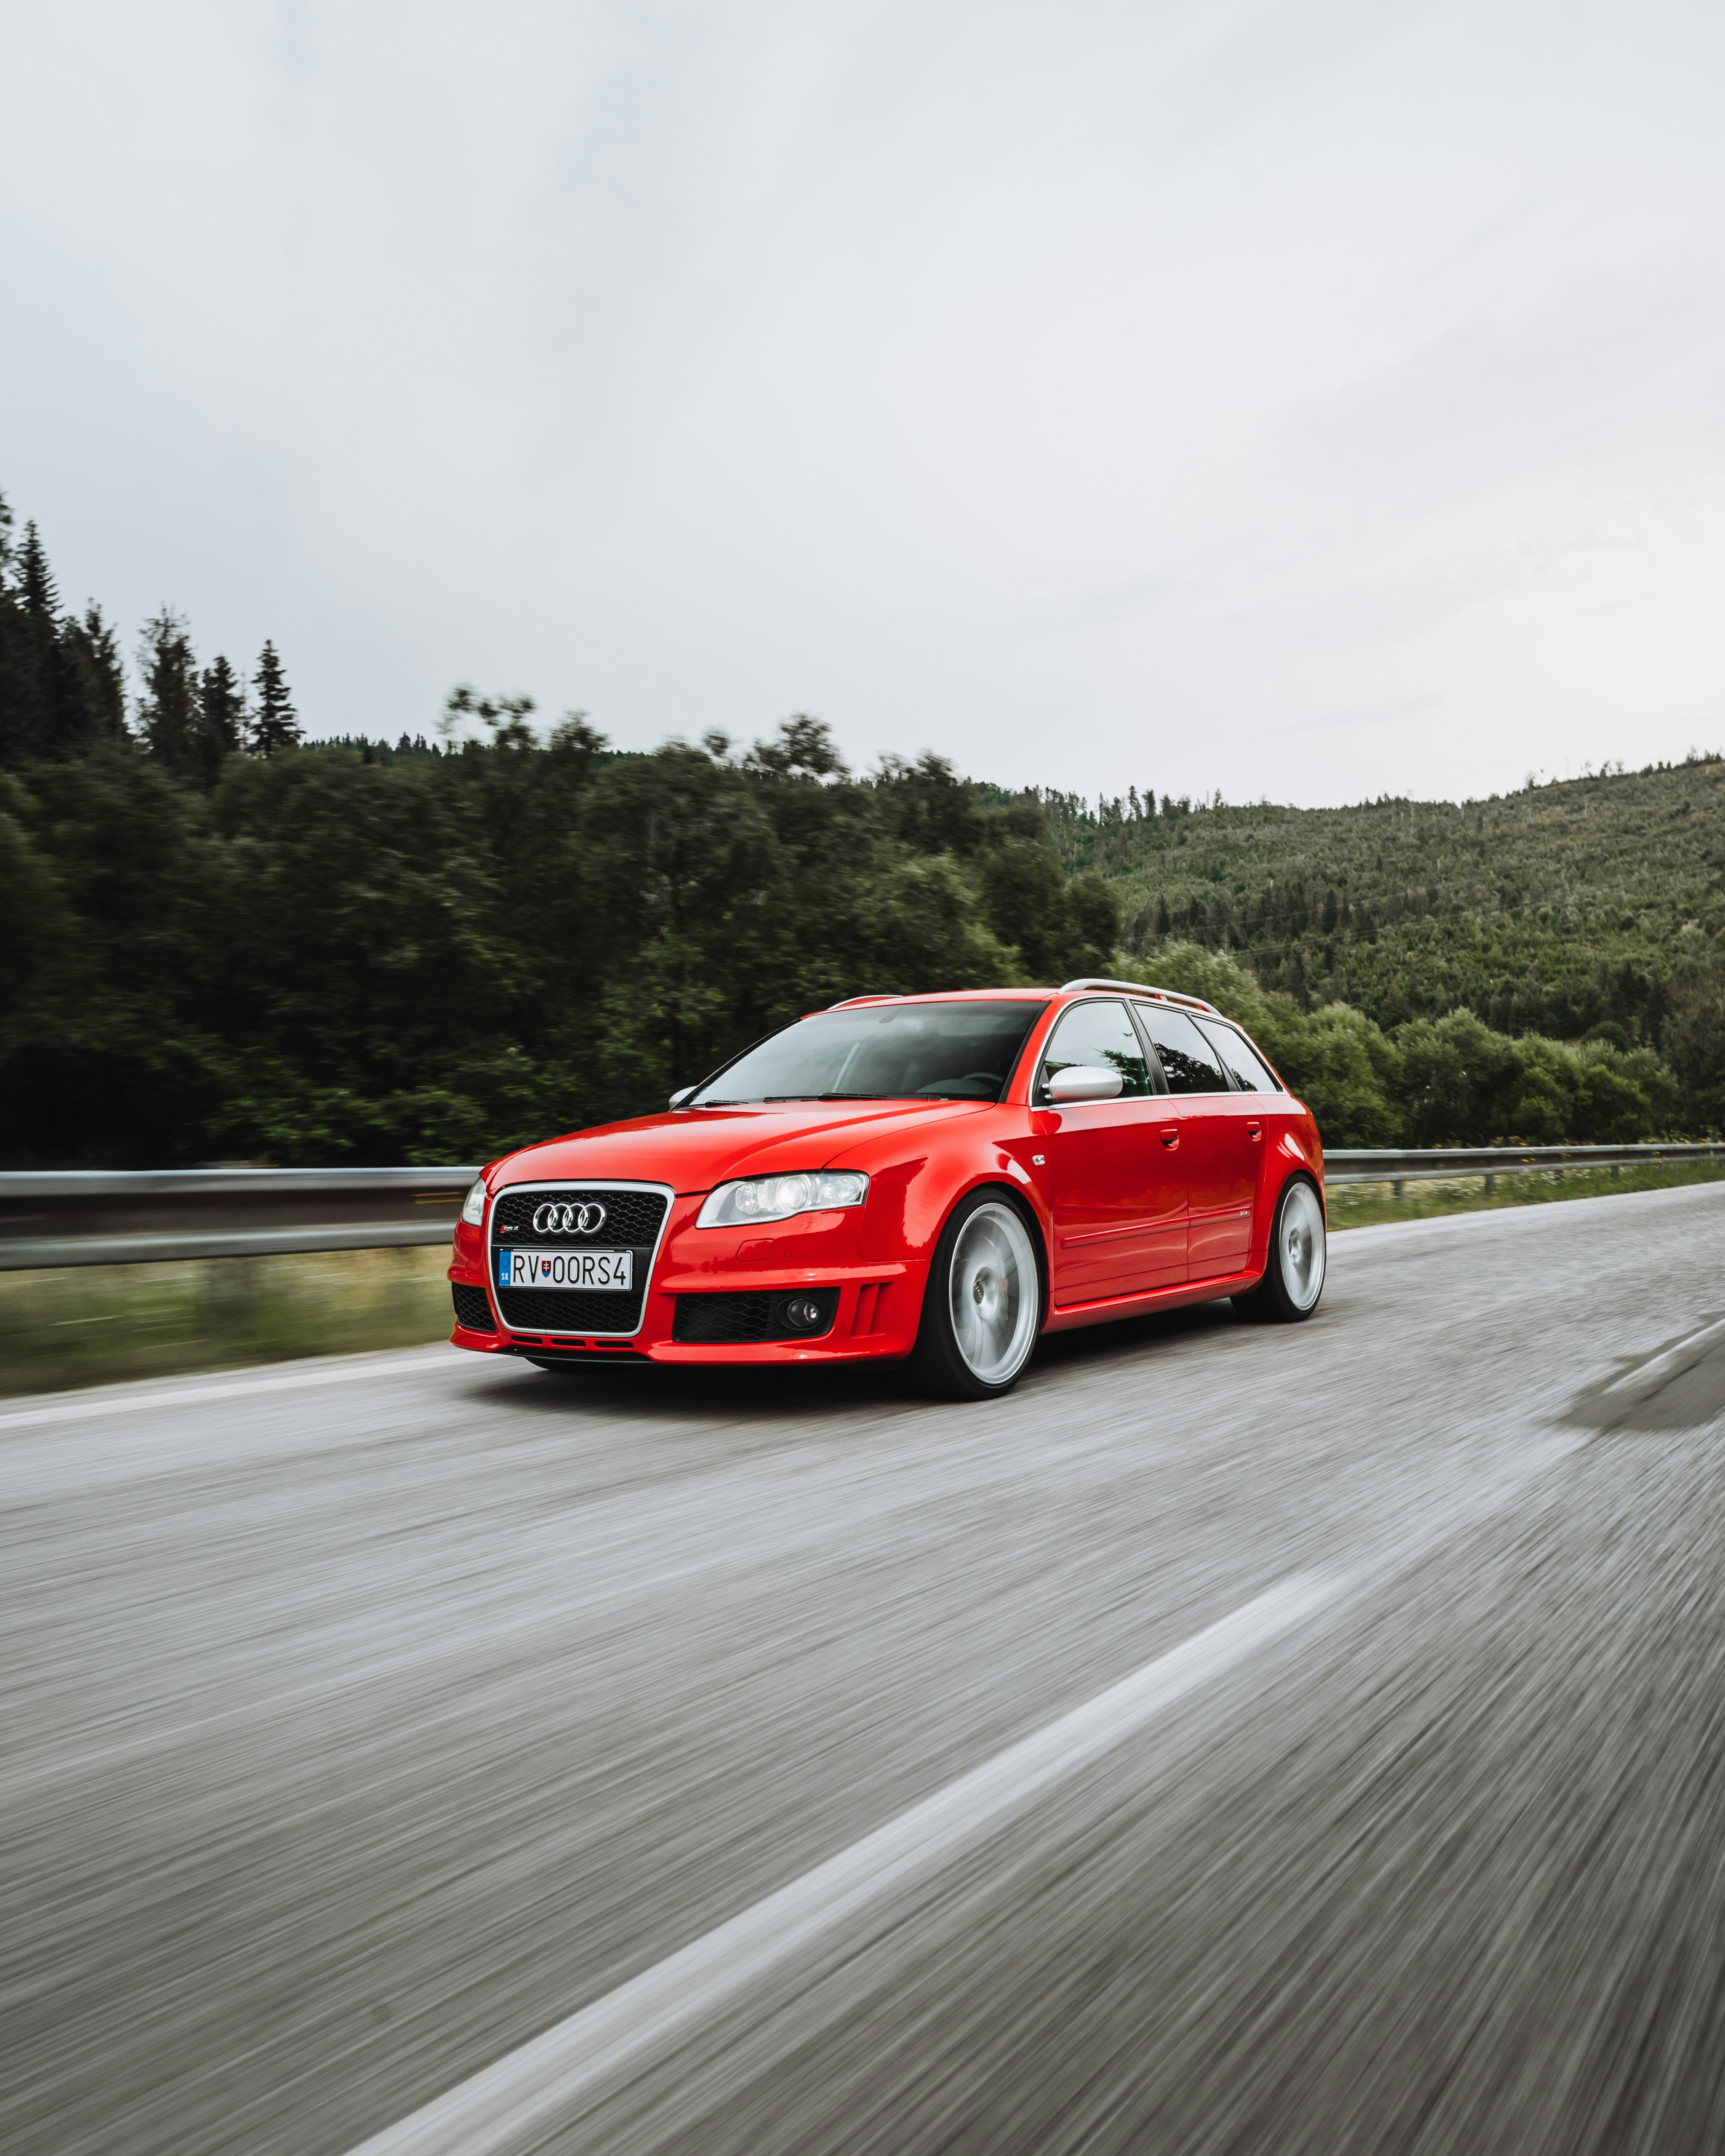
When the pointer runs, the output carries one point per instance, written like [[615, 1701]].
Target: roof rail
[[1143, 989], [850, 1001]]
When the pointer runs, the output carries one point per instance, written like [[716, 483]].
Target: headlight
[[472, 1206], [777, 1197]]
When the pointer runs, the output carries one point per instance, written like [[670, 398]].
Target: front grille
[[736, 1321], [471, 1308], [632, 1220]]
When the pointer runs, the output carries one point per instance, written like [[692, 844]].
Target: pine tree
[[38, 694], [221, 698], [169, 713], [36, 585], [18, 698], [273, 724], [94, 653]]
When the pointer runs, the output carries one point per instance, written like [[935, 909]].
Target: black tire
[[1298, 1259], [988, 1266]]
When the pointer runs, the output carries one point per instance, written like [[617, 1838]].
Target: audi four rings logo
[[569, 1219]]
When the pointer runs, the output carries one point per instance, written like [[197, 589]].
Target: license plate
[[586, 1269]]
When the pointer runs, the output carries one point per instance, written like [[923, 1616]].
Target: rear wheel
[[1294, 1275], [983, 1306]]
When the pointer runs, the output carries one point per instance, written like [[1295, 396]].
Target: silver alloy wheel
[[994, 1294], [1301, 1233]]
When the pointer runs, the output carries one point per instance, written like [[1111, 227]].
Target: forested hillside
[[215, 942], [1557, 910], [320, 959], [218, 939]]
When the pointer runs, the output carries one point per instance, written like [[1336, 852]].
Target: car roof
[[1088, 985]]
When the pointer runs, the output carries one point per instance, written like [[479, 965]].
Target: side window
[[1186, 1057], [1240, 1059], [1099, 1036]]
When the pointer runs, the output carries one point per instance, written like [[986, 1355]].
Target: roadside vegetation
[[220, 941], [1375, 1204], [104, 1325]]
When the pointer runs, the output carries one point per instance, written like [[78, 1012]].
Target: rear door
[[1219, 1146], [1259, 1097], [1116, 1176]]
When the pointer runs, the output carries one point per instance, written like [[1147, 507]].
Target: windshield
[[898, 1051]]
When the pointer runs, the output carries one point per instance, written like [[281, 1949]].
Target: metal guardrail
[[77, 1217], [1445, 1163], [97, 1218]]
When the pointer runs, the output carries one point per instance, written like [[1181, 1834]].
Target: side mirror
[[677, 1099], [1084, 1081]]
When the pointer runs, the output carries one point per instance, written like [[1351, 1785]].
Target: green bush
[[1335, 1058], [1452, 1081]]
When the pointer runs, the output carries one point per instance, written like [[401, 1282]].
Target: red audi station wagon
[[936, 1178]]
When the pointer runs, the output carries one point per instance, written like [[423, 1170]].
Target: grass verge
[[1370, 1204], [98, 1325]]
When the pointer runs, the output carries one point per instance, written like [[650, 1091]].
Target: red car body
[[1139, 1204]]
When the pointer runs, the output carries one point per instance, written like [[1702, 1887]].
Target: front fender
[[912, 1195]]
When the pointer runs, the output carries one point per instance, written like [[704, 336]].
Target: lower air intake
[[741, 1321], [471, 1308]]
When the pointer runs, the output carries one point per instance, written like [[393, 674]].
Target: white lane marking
[[1648, 1377], [90, 1410], [528, 2086]]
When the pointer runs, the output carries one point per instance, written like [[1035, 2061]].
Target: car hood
[[693, 1149]]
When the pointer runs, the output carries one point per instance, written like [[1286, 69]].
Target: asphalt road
[[1240, 1739]]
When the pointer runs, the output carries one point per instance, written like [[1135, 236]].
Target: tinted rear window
[[1188, 1059], [956, 1051], [1242, 1061]]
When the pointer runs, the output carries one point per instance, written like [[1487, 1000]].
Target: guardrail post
[[1396, 1187], [1491, 1186]]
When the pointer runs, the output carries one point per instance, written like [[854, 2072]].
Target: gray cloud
[[1311, 399]]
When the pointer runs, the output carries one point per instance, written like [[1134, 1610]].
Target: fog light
[[803, 1313]]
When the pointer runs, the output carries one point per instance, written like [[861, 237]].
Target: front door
[[1221, 1136], [1116, 1167]]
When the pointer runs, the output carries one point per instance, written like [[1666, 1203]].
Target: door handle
[[1255, 1131], [1170, 1135]]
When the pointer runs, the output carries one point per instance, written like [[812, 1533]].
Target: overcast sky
[[1311, 399]]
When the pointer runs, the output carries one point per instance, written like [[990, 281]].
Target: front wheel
[[983, 1306], [1294, 1275]]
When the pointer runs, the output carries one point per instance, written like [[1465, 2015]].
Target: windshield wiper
[[767, 1097]]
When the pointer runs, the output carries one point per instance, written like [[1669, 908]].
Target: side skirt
[[1070, 1316]]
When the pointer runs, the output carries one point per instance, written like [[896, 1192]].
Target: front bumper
[[879, 1304]]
